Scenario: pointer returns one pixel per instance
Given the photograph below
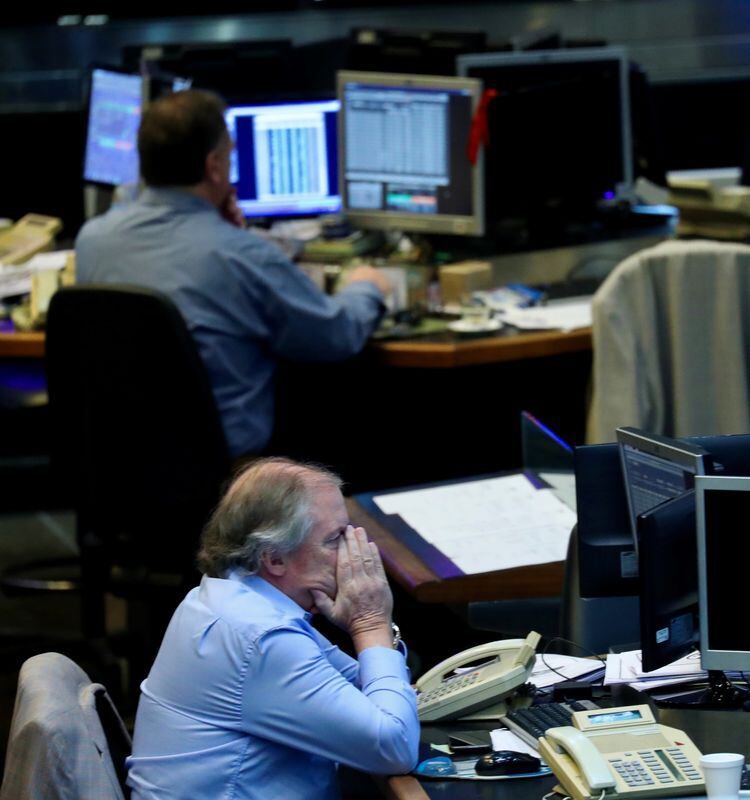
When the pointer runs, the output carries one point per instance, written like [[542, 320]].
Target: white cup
[[722, 772]]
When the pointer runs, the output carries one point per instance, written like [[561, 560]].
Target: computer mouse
[[507, 762]]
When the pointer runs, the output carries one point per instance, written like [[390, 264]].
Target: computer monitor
[[559, 134], [723, 511], [656, 468], [608, 563], [285, 160], [403, 157], [114, 114], [667, 558]]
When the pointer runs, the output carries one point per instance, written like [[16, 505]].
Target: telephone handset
[[621, 752], [30, 235], [453, 688]]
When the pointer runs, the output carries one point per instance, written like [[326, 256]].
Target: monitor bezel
[[450, 224], [89, 92], [713, 659], [677, 452], [231, 107], [500, 59]]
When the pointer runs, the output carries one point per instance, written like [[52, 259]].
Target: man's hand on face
[[363, 602], [231, 211]]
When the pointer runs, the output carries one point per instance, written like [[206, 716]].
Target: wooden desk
[[427, 586], [22, 345], [447, 352]]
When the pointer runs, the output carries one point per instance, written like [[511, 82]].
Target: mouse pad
[[444, 768]]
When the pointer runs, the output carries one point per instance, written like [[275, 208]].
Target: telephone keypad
[[632, 767], [450, 686]]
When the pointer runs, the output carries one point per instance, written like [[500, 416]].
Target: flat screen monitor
[[723, 510], [114, 114], [608, 563], [656, 468], [667, 558], [559, 132], [404, 161], [285, 159]]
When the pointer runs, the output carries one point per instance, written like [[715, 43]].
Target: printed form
[[489, 524]]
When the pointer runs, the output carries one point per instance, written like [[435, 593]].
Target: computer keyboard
[[531, 723], [745, 779]]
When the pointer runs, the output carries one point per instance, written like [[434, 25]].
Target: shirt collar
[[174, 197], [271, 593]]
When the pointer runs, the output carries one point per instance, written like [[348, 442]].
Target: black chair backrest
[[137, 433]]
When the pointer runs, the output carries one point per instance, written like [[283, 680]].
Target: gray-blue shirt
[[244, 302]]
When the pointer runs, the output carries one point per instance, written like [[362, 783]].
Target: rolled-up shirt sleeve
[[294, 695]]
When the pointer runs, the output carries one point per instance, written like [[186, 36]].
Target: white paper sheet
[[627, 667], [489, 524], [565, 315], [571, 667]]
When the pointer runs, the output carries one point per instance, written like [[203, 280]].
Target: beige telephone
[[621, 752], [30, 235], [453, 688]]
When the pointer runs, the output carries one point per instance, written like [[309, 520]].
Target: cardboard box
[[459, 279]]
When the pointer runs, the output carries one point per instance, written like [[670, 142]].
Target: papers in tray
[[628, 668], [489, 524], [553, 668]]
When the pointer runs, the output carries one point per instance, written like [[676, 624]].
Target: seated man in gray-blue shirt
[[244, 302], [245, 698]]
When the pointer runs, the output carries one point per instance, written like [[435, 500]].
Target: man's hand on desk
[[363, 603], [367, 273]]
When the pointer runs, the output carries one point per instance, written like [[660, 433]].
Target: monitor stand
[[720, 694]]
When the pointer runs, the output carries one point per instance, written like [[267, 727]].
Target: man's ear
[[273, 563], [213, 166]]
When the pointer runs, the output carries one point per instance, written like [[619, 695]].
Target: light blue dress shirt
[[244, 302], [247, 700]]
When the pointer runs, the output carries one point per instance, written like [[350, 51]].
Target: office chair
[[671, 335], [138, 442], [66, 737]]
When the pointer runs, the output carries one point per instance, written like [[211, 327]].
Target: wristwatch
[[396, 635]]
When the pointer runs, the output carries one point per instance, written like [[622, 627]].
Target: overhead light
[[95, 19], [69, 19]]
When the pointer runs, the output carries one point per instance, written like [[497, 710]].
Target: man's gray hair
[[267, 508]]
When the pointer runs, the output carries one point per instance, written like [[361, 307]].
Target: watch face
[[396, 635]]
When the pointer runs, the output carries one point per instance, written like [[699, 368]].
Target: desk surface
[[445, 353], [428, 586], [711, 731]]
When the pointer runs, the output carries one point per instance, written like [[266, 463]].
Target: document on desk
[[565, 315], [488, 524]]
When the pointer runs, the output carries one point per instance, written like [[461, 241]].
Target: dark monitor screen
[[115, 102], [608, 562], [404, 162], [723, 510], [656, 468], [285, 160], [667, 558], [559, 131]]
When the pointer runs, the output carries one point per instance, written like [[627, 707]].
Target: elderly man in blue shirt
[[245, 303], [246, 699]]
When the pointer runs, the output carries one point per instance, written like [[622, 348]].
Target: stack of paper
[[553, 668], [628, 668], [489, 524]]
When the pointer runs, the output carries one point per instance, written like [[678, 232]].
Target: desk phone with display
[[476, 678], [621, 752]]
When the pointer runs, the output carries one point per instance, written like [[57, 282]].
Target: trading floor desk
[[711, 731], [428, 583]]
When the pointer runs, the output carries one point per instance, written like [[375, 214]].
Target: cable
[[575, 644]]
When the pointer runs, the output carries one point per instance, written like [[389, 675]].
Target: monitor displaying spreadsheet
[[285, 159]]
